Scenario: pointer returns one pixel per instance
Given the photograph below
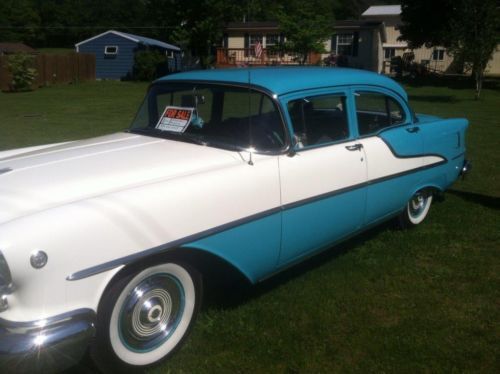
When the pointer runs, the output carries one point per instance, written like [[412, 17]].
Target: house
[[356, 41], [10, 48], [368, 43], [436, 58], [114, 53], [255, 43]]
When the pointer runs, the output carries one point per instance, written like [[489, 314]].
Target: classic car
[[104, 241]]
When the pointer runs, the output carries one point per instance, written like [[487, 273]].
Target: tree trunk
[[304, 58], [479, 75]]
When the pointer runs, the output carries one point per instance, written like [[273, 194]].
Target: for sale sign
[[175, 119]]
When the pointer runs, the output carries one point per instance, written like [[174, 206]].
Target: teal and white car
[[104, 242]]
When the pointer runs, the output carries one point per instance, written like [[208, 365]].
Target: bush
[[148, 65], [20, 65]]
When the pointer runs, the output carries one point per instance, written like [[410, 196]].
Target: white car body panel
[[160, 190]]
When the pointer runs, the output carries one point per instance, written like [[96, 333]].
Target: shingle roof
[[149, 41], [252, 25], [15, 47], [358, 23], [382, 10], [135, 38]]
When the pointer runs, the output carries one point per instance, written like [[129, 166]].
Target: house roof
[[282, 80], [382, 10], [252, 25], [134, 38], [357, 24], [362, 24], [15, 47]]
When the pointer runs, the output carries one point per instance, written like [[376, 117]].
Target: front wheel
[[416, 209], [144, 316]]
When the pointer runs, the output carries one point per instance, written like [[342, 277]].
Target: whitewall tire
[[144, 316], [416, 209]]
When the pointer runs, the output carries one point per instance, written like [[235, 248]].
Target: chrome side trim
[[164, 247], [93, 270], [47, 345]]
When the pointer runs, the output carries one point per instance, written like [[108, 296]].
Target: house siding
[[236, 40], [493, 67], [111, 67]]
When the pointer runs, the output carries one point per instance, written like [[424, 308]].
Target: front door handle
[[354, 147], [413, 129]]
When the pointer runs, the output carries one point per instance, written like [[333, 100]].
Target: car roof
[[282, 80]]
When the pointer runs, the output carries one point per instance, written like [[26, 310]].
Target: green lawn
[[67, 112], [423, 300]]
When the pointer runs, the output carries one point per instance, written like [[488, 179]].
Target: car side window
[[319, 119], [376, 111]]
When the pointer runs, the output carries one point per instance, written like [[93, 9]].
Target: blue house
[[114, 53]]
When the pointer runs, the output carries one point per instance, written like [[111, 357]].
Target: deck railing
[[247, 56]]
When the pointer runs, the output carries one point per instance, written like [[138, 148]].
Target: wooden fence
[[52, 68]]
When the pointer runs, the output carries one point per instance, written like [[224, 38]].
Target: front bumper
[[45, 346], [466, 168]]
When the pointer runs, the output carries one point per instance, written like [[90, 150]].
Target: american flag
[[258, 49]]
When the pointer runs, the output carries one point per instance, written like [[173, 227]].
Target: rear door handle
[[413, 129], [354, 147]]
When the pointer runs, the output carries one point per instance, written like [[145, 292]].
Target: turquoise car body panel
[[264, 246], [283, 80]]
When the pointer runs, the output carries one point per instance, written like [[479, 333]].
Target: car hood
[[48, 177]]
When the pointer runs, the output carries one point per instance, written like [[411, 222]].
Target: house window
[[344, 44], [111, 50], [438, 55], [389, 53], [272, 40], [169, 54], [254, 39]]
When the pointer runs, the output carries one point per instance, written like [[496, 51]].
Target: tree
[[307, 25], [201, 24], [20, 65], [468, 28], [19, 22]]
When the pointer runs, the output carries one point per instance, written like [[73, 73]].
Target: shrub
[[148, 65], [20, 65]]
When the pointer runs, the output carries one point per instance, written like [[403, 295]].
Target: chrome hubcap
[[151, 312], [417, 204]]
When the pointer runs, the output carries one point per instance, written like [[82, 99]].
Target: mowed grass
[[67, 112], [421, 300]]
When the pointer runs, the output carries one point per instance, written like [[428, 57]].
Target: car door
[[322, 181], [393, 146]]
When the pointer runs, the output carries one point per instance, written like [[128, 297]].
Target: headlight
[[5, 277], [6, 286]]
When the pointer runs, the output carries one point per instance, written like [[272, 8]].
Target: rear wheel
[[145, 316], [416, 209]]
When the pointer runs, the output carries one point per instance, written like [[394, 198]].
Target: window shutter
[[225, 41], [355, 44], [247, 44], [281, 42], [333, 45]]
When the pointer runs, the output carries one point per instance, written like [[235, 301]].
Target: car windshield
[[214, 115]]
